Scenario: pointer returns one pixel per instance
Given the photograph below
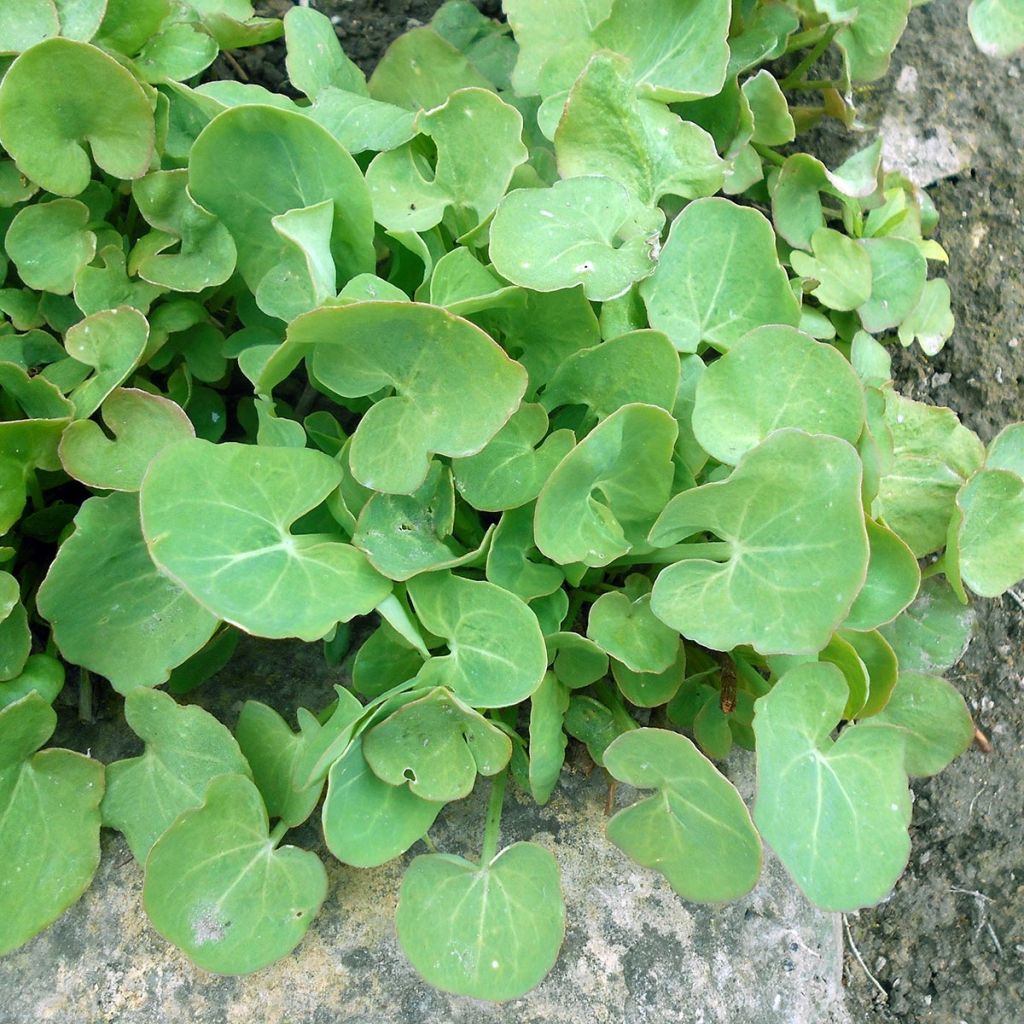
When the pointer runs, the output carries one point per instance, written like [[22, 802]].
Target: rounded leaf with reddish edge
[[62, 95], [792, 517], [490, 931], [933, 719], [718, 277], [696, 831], [604, 496], [251, 164], [771, 378], [497, 658], [142, 425], [427, 356], [217, 520], [111, 609], [52, 798], [367, 821], [835, 813], [240, 904]]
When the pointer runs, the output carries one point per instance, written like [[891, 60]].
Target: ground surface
[[948, 947]]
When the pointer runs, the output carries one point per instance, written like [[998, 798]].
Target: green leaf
[[40, 674], [112, 342], [607, 130], [15, 636], [218, 518], [368, 822], [987, 536], [641, 366], [869, 39], [272, 749], [253, 163], [426, 355], [696, 831], [489, 931], [315, 59], [582, 231], [512, 562], [651, 689], [773, 123], [23, 23], [932, 718], [80, 19], [384, 660], [185, 748], [436, 745], [52, 797], [840, 267], [108, 285], [933, 633], [512, 468], [878, 657], [1006, 451], [606, 493], [497, 649], [718, 277], [61, 94], [775, 377], [798, 549], [478, 142], [127, 24], [892, 583], [547, 738], [360, 123], [420, 69], [50, 244], [677, 48], [835, 813], [997, 26], [463, 285], [139, 426], [178, 52], [622, 624], [577, 661], [31, 430], [930, 322], [898, 272], [205, 254], [111, 610], [241, 904]]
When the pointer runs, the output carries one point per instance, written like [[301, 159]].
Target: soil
[[948, 946]]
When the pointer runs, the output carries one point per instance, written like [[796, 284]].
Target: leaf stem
[[277, 833], [492, 824], [717, 551], [85, 696], [797, 74], [35, 492], [767, 153], [814, 84], [938, 566], [394, 612]]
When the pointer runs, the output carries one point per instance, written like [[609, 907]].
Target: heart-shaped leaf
[[241, 904], [585, 231], [112, 342], [987, 536], [436, 745], [497, 649], [512, 559], [718, 277], [40, 674], [771, 378], [931, 635], [111, 610], [489, 931], [478, 141], [932, 718], [604, 495], [142, 425], [185, 748], [696, 831], [622, 624], [50, 244], [368, 822], [425, 354], [797, 549], [61, 94], [51, 800], [835, 813], [217, 519], [315, 59], [651, 689]]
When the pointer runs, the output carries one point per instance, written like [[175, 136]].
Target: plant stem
[[85, 696], [492, 825], [767, 153], [717, 551], [277, 833], [797, 74], [35, 492], [806, 38], [939, 565], [814, 84]]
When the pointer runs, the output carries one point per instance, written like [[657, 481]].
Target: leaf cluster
[[543, 365]]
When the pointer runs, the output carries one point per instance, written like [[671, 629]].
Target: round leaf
[[696, 831], [61, 94], [775, 377], [892, 582], [990, 532], [791, 514], [50, 243], [217, 520], [240, 904], [836, 814], [112, 342], [488, 931], [628, 630]]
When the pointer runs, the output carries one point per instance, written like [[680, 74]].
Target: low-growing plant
[[543, 355]]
